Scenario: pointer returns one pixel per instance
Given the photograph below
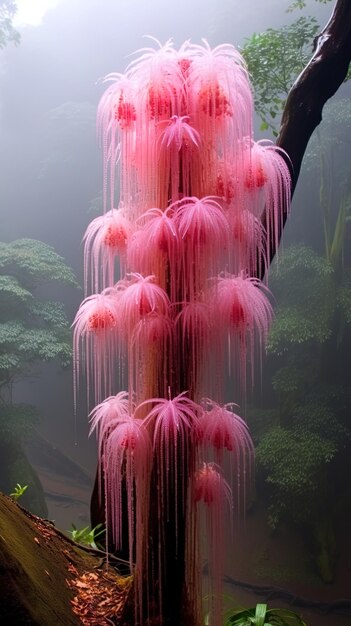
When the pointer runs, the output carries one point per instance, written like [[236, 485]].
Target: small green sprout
[[18, 491], [261, 615], [87, 536]]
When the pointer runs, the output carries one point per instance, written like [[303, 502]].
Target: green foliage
[[12, 292], [18, 491], [300, 4], [262, 616], [287, 379], [314, 295], [274, 58], [33, 263], [7, 32], [299, 257], [32, 329], [17, 421], [332, 134], [344, 296], [295, 326], [87, 536], [294, 459], [306, 307]]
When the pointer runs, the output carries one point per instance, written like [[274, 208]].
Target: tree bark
[[318, 82]]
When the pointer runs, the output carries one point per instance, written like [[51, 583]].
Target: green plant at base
[[18, 491], [87, 536], [262, 616]]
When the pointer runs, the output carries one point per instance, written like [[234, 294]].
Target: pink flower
[[210, 487], [205, 232], [96, 327], [178, 132], [112, 409], [220, 96], [266, 169], [159, 80], [105, 238], [174, 424], [116, 117], [242, 306], [152, 329], [224, 429], [249, 238], [195, 321], [156, 245], [139, 297], [127, 458], [195, 328], [213, 491], [202, 222]]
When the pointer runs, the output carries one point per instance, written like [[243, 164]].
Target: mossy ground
[[39, 570]]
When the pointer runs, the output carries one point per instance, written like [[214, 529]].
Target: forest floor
[[277, 568]]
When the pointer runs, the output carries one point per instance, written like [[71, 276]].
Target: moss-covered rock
[[46, 579]]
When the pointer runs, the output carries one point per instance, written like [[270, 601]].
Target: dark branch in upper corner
[[318, 82]]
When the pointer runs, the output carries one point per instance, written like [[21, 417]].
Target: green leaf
[[34, 262], [260, 614], [10, 288], [274, 59]]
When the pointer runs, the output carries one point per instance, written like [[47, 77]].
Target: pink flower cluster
[[171, 292]]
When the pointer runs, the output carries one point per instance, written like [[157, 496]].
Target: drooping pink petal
[[204, 230], [111, 409], [226, 434], [267, 180], [127, 465], [242, 305], [156, 247], [174, 425], [105, 239], [141, 297], [95, 338], [212, 490], [127, 452], [249, 249], [202, 222], [149, 351], [116, 119], [178, 132]]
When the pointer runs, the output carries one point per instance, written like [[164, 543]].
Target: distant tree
[[274, 58], [8, 33], [33, 330]]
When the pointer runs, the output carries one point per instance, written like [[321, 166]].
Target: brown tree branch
[[318, 82]]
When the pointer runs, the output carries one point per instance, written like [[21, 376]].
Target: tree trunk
[[318, 82]]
